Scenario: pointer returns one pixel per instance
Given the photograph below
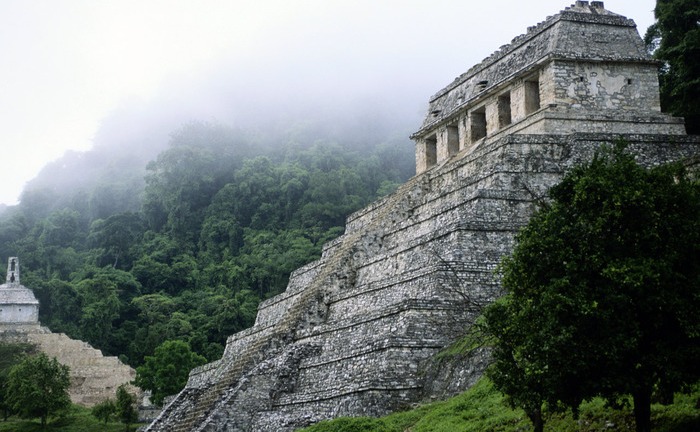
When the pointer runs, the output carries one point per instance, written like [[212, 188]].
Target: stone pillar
[[547, 86], [12, 271], [447, 142], [442, 150], [517, 98], [492, 117], [463, 131], [426, 153]]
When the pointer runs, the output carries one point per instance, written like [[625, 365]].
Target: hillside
[[482, 408], [129, 246]]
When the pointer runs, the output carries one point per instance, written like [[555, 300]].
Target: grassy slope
[[77, 419], [482, 408]]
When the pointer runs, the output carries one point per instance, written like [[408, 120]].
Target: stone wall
[[18, 306], [355, 332], [17, 312]]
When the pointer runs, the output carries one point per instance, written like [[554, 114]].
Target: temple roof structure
[[582, 31], [585, 69]]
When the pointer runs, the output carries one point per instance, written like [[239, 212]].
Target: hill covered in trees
[[130, 245]]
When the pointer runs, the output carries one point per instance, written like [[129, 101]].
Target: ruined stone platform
[[351, 334]]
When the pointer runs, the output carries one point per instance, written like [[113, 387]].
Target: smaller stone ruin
[[94, 377]]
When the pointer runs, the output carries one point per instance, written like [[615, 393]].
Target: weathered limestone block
[[94, 377]]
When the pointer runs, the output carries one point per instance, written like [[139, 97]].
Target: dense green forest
[[126, 248]]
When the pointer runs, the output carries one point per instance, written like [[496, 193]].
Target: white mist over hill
[[71, 67]]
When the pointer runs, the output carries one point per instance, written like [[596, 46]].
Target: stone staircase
[[250, 350]]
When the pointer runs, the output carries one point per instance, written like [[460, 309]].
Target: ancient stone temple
[[94, 377], [356, 331], [585, 70], [18, 306]]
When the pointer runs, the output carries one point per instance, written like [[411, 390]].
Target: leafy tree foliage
[[5, 407], [675, 40], [165, 373], [104, 410], [216, 224], [38, 387], [115, 238], [10, 355], [603, 291], [126, 407]]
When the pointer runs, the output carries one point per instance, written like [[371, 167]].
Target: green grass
[[75, 419], [482, 409]]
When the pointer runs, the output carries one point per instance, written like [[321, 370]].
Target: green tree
[[115, 237], [217, 224], [63, 305], [62, 229], [104, 410], [10, 355], [165, 373], [38, 387], [100, 307], [36, 203], [126, 407], [603, 290], [234, 313], [13, 227], [183, 179], [5, 407], [675, 40]]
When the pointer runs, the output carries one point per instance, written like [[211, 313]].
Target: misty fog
[[338, 101], [362, 66]]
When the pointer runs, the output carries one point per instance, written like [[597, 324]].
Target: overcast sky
[[68, 64]]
